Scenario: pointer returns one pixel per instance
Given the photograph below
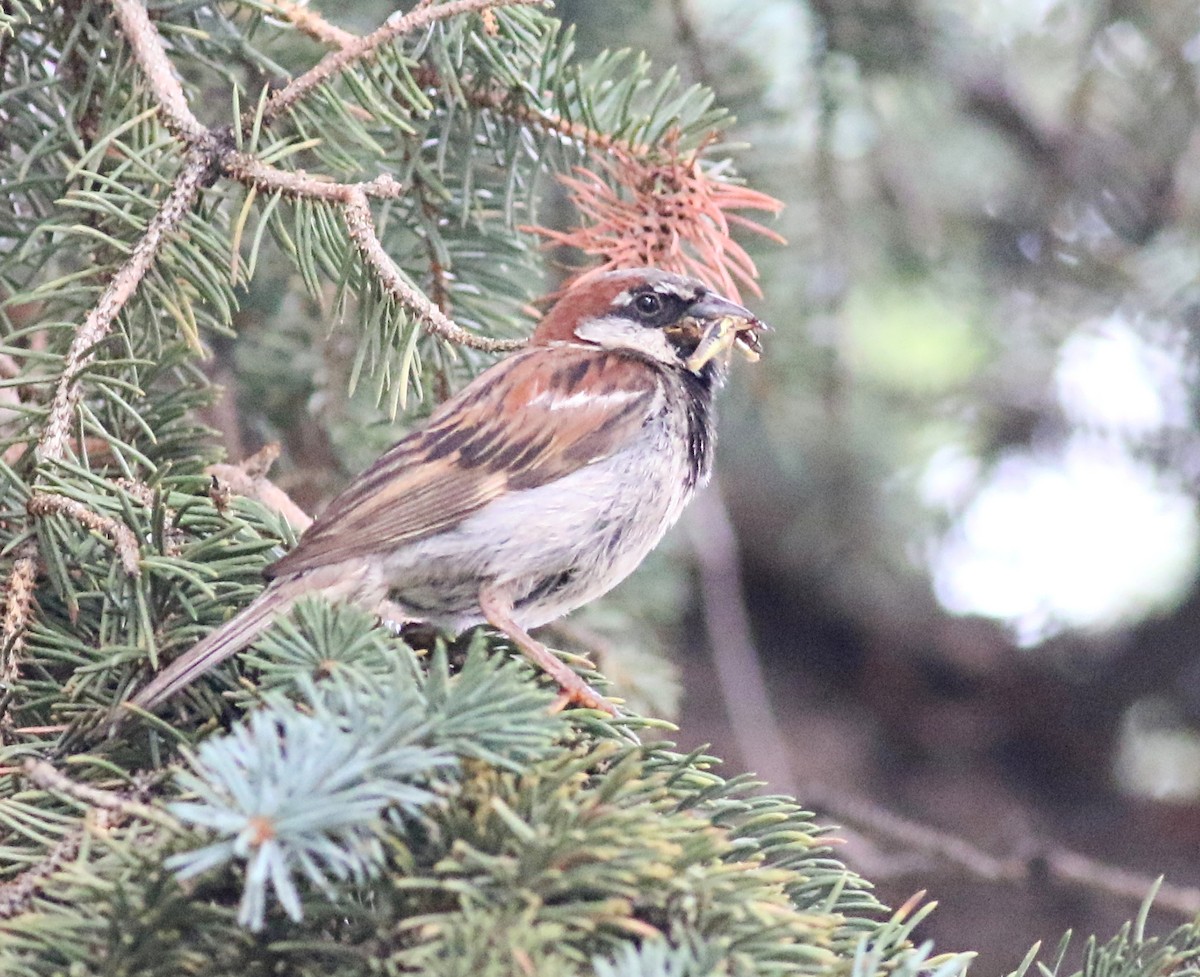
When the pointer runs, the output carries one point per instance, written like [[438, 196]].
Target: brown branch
[[1059, 864], [364, 47], [361, 225], [1070, 866], [151, 56], [52, 445], [308, 21], [121, 536]]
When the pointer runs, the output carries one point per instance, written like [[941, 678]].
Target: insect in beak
[[722, 325]]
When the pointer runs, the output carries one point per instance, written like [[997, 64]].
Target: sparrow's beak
[[723, 325]]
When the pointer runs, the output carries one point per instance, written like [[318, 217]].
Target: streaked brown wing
[[530, 419]]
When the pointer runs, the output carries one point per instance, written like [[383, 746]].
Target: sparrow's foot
[[575, 690]]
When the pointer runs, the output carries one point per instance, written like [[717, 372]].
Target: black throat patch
[[701, 427]]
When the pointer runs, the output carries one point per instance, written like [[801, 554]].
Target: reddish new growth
[[670, 215]]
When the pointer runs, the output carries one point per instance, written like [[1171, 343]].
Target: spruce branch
[[18, 893], [292, 793], [501, 102], [336, 62], [357, 213], [210, 152], [252, 171], [52, 446], [124, 541], [352, 199], [151, 56], [45, 776]]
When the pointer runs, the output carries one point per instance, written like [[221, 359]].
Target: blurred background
[[963, 480], [956, 530]]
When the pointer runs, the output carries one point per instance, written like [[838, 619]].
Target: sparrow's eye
[[648, 305]]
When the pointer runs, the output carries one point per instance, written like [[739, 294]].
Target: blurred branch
[[43, 775], [991, 102], [756, 732], [1040, 862]]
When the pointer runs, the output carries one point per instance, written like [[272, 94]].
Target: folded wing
[[527, 421]]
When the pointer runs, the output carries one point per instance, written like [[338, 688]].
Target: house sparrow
[[537, 488]]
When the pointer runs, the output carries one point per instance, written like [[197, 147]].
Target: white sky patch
[[1085, 539], [1109, 376]]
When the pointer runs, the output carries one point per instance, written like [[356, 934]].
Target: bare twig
[[362, 232], [1070, 866], [364, 47], [174, 209], [122, 537], [148, 50], [756, 732]]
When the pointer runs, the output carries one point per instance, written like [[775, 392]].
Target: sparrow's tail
[[230, 638]]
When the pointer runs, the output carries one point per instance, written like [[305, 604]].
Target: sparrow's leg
[[497, 608]]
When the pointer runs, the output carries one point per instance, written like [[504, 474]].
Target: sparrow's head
[[675, 320]]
